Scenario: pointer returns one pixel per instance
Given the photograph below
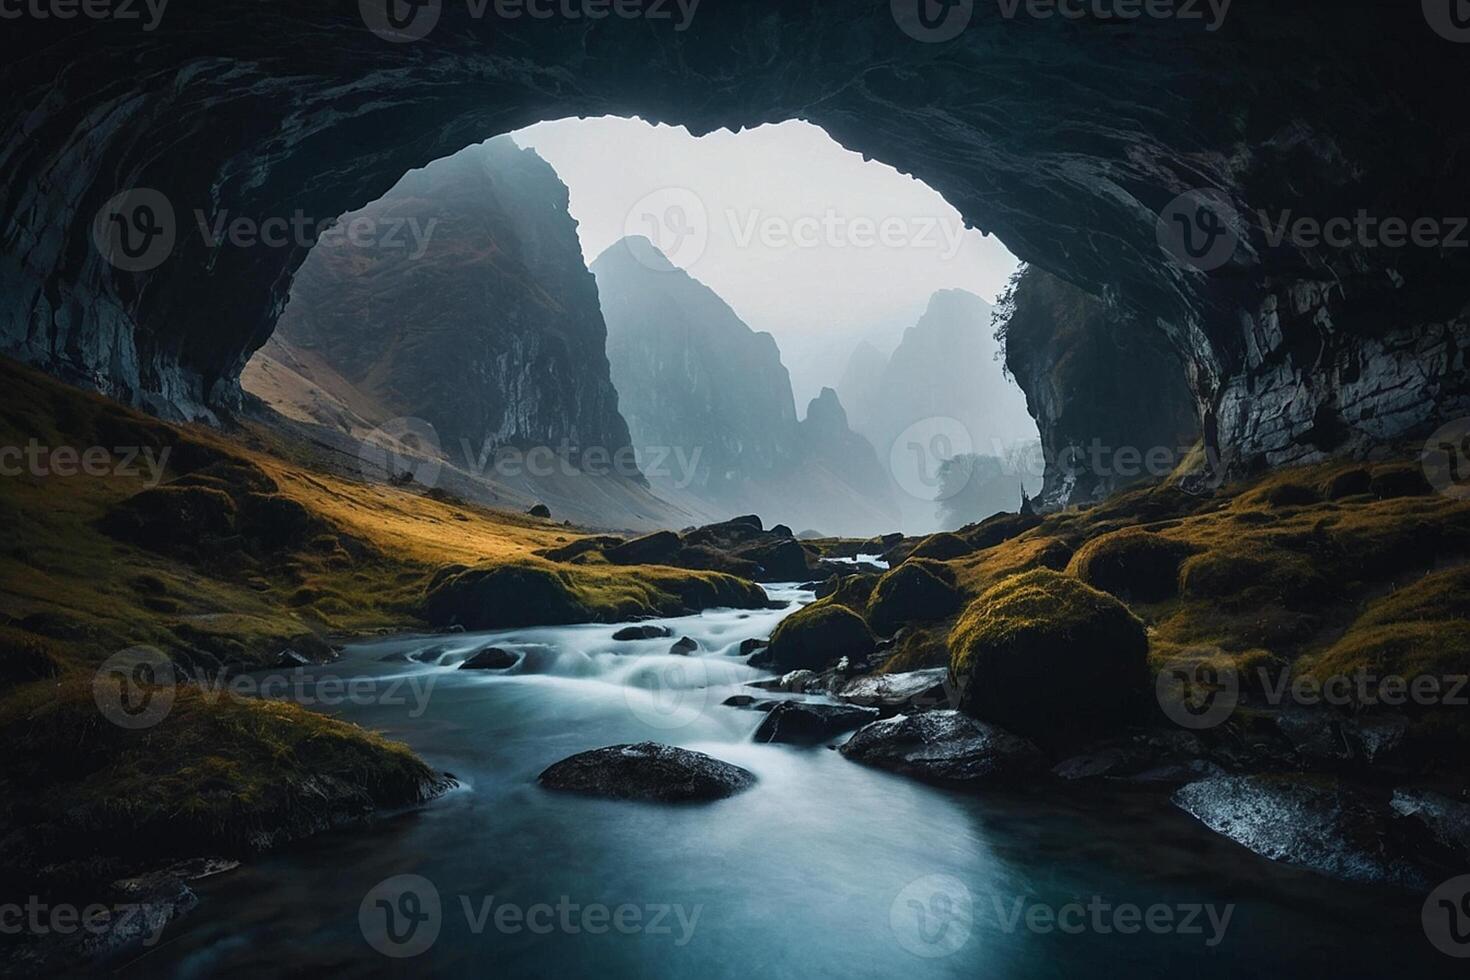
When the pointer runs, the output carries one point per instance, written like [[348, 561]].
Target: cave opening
[[771, 323]]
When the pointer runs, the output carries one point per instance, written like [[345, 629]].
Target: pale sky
[[800, 236]]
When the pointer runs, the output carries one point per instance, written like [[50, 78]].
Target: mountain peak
[[640, 250]]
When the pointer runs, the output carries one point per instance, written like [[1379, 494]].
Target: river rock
[[491, 658], [1312, 822], [1447, 820], [945, 747], [751, 646], [810, 722], [647, 771], [912, 689], [684, 646], [647, 631]]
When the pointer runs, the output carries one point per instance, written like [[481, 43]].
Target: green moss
[[499, 596], [942, 547], [853, 591], [918, 591], [817, 636], [1043, 654], [218, 775], [1134, 564]]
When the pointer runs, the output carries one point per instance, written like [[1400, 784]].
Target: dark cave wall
[[1065, 138], [1110, 400]]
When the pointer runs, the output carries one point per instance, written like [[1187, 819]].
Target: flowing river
[[824, 869]]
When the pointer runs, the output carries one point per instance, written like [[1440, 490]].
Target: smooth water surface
[[824, 869]]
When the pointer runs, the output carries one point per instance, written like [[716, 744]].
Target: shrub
[[1043, 654]]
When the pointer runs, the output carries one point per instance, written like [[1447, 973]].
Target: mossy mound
[[943, 546], [217, 775], [1347, 483], [817, 637], [1240, 577], [1394, 480], [171, 517], [493, 596], [997, 529], [504, 597], [26, 657], [853, 591], [1134, 564], [1419, 630], [918, 591], [1043, 654]]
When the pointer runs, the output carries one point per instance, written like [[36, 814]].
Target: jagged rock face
[[936, 372], [692, 375], [464, 302], [825, 436], [1067, 138], [709, 404], [1111, 403]]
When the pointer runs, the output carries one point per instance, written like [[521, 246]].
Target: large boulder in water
[[917, 591], [810, 722], [944, 747], [503, 597], [818, 636], [1313, 822], [1043, 654], [647, 771], [914, 689]]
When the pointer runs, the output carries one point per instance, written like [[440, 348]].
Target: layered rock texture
[[710, 407], [1068, 138], [460, 298], [1111, 401]]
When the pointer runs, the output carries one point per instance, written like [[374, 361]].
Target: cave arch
[[1065, 137]]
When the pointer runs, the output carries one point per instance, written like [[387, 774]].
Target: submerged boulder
[[1043, 654], [491, 658], [643, 632], [816, 637], [810, 722], [944, 747], [647, 771]]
